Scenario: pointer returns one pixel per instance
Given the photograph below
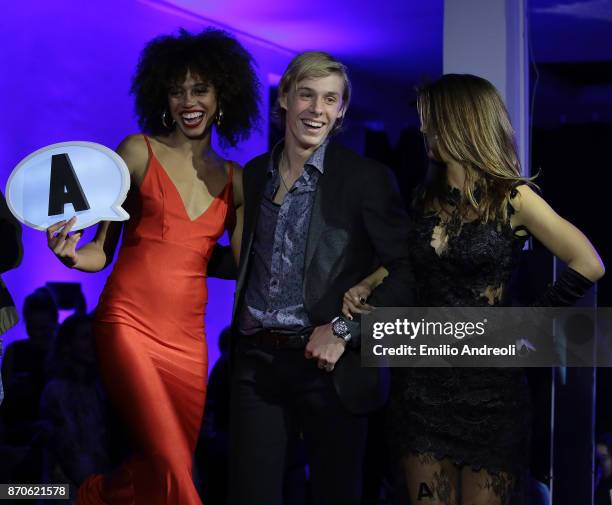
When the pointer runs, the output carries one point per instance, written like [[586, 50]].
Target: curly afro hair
[[213, 55]]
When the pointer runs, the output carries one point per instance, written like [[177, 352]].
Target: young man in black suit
[[318, 219]]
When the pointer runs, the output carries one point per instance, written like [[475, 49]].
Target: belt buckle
[[277, 338]]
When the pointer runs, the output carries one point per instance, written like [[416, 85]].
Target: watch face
[[340, 328]]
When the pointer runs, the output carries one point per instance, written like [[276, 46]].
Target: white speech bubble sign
[[102, 174]]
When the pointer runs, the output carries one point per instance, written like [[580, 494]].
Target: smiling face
[[192, 105], [312, 108]]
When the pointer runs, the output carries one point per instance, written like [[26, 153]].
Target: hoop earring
[[164, 121], [219, 118]]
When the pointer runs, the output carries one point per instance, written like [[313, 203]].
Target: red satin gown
[[151, 343]]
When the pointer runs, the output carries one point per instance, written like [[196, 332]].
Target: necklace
[[280, 172]]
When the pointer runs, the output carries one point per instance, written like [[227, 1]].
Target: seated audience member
[[73, 408], [23, 374]]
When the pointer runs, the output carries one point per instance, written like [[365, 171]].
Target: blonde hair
[[468, 120], [313, 65]]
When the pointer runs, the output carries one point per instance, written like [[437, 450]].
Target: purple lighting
[[401, 38], [67, 68]]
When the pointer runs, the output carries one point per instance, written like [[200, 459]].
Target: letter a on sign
[[64, 186], [70, 179]]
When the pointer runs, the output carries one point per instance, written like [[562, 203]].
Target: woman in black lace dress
[[463, 433]]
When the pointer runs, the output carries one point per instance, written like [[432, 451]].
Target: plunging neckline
[[178, 193]]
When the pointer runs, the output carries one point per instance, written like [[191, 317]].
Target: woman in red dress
[[149, 323]]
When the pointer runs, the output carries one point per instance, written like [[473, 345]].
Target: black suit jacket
[[358, 222], [11, 248]]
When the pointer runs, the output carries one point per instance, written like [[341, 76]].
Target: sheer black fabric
[[475, 417]]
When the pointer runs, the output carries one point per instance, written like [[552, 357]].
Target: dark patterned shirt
[[274, 292]]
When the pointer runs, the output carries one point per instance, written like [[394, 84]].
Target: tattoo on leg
[[501, 485], [442, 487], [424, 491], [426, 458]]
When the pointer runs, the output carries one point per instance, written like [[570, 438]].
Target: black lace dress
[[478, 417]]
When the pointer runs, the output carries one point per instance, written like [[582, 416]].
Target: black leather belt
[[277, 339]]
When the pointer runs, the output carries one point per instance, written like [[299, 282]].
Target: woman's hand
[[62, 244], [354, 301]]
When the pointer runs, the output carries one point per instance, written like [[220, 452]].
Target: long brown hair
[[467, 118]]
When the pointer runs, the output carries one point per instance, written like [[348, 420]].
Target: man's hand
[[325, 347]]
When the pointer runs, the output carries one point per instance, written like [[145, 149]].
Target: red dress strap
[[148, 146]]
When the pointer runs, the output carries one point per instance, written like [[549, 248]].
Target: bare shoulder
[[525, 200], [529, 207], [133, 149], [237, 186]]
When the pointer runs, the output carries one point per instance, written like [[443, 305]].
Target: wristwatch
[[341, 329]]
